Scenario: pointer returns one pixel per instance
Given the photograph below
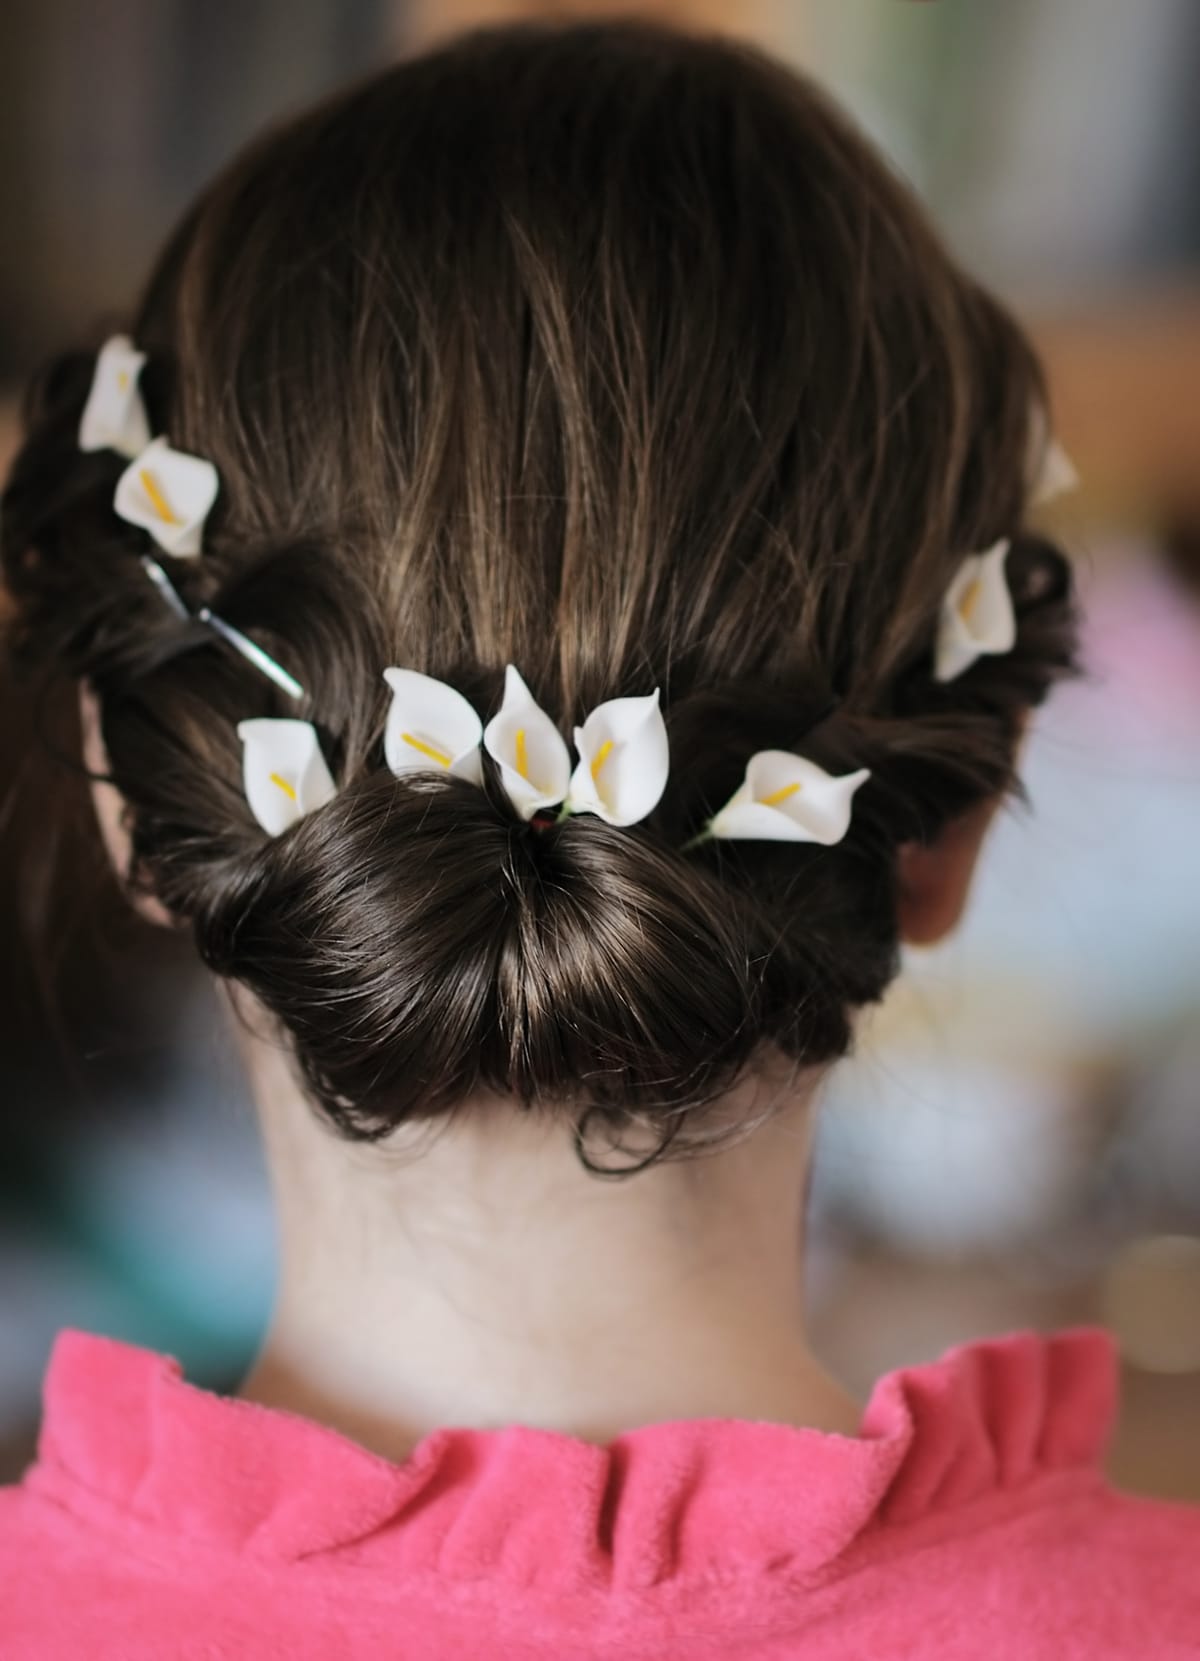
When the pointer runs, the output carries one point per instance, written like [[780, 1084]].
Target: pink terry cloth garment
[[970, 1518]]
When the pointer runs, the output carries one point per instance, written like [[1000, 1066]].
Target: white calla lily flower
[[284, 773], [1057, 475], [169, 494], [787, 798], [114, 417], [431, 728], [531, 753], [624, 760], [977, 616], [1050, 472]]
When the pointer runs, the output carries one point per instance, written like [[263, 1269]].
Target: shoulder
[[1085, 1576], [1151, 1548], [1120, 1577], [28, 1528], [1078, 1571], [69, 1582]]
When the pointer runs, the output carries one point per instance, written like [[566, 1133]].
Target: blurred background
[[1018, 1142]]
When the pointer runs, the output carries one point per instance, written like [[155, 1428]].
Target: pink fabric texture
[[970, 1518]]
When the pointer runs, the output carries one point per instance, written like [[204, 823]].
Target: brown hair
[[621, 357]]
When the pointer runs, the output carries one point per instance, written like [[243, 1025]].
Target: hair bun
[[419, 944]]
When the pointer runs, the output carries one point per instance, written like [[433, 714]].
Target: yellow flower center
[[602, 755], [969, 603], [522, 754], [439, 756], [157, 500], [123, 380], [284, 786], [780, 795]]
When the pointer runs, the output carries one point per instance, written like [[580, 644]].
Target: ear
[[936, 877], [109, 805]]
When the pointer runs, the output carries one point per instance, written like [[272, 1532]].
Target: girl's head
[[619, 357]]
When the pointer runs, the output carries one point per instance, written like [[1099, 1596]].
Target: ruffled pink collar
[[694, 1499]]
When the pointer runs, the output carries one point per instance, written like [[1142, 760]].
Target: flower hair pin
[[1049, 470], [169, 494], [622, 747], [620, 774], [430, 726], [284, 773], [1056, 476], [114, 417], [622, 768], [163, 491], [622, 752], [785, 798], [977, 616]]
